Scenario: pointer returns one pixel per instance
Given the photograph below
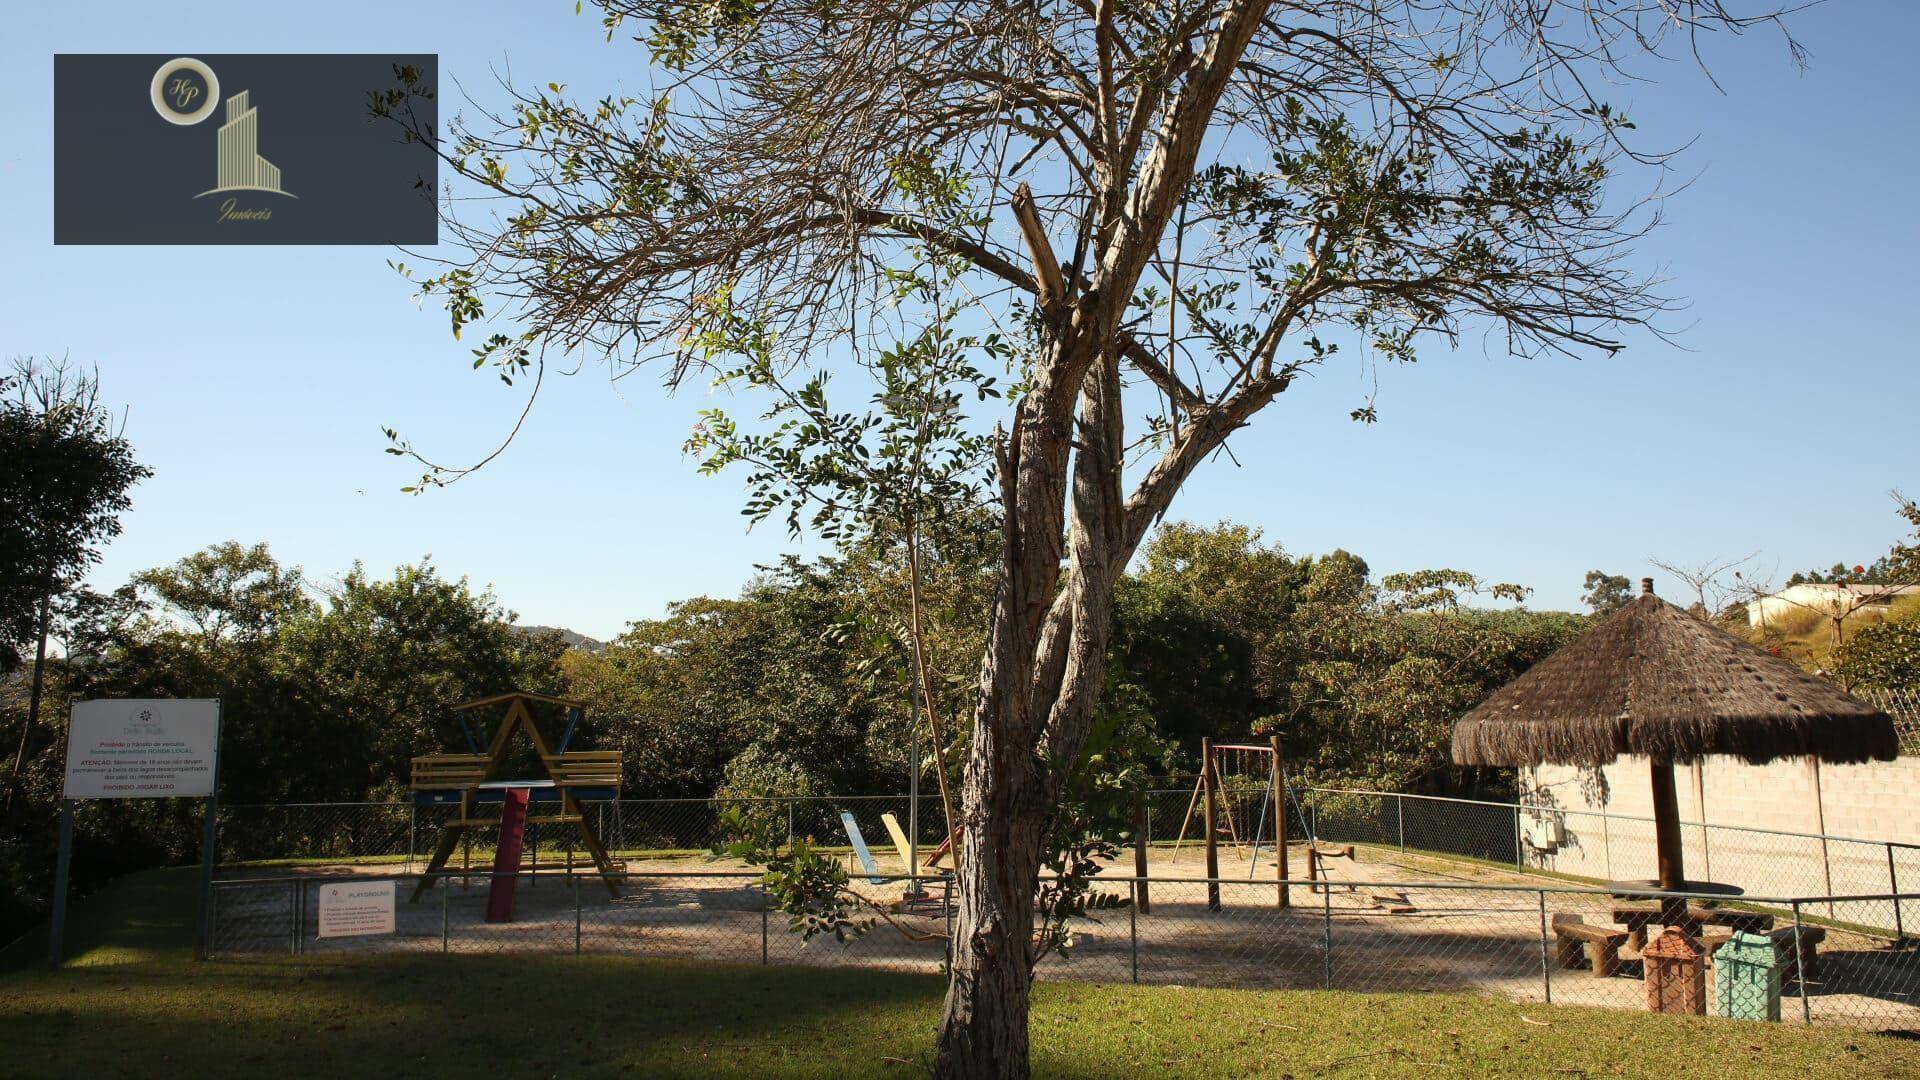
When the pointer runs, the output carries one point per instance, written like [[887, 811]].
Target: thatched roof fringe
[[1655, 682]]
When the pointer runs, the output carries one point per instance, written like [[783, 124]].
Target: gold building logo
[[240, 166]]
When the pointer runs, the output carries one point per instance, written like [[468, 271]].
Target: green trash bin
[[1746, 978]]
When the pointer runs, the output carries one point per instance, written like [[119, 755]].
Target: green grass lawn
[[145, 917], [133, 1003]]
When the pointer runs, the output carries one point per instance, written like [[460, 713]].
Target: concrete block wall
[[1876, 801], [1846, 812]]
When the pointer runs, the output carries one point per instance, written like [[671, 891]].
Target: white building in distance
[[1826, 600]]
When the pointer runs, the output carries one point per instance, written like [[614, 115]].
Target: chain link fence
[[1903, 706], [1598, 847], [1817, 959], [631, 829], [1581, 845]]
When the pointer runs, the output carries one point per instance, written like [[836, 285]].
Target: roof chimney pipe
[[1646, 586]]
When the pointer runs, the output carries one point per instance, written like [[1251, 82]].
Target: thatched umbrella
[[1653, 681]]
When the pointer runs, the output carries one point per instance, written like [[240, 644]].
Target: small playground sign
[[142, 748], [356, 908]]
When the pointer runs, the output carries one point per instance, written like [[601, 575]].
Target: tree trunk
[[1005, 801], [33, 698], [1041, 676], [983, 1031]]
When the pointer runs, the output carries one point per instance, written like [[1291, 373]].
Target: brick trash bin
[[1676, 974]]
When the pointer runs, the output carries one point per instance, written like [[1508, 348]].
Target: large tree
[[62, 491], [1212, 196]]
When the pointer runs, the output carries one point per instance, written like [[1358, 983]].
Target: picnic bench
[[1576, 939], [1809, 958], [1637, 917]]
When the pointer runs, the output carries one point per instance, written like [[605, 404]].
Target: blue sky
[[257, 380]]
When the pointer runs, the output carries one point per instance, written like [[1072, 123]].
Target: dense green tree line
[[1363, 678]]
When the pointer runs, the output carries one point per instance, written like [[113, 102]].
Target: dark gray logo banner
[[240, 148]]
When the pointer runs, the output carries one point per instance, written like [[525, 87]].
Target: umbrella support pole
[[1666, 827]]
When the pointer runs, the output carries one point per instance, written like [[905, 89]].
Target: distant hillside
[[574, 638]]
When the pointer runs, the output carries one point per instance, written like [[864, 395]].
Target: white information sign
[[142, 749], [353, 908]]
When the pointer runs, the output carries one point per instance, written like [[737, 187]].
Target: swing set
[[1242, 787]]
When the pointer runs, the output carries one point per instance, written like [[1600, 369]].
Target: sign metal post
[[209, 839], [57, 923]]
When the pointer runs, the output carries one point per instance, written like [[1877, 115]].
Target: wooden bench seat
[[1637, 917], [1576, 939], [448, 772], [1809, 958], [585, 768], [1753, 922]]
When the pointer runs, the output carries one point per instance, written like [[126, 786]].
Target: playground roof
[[481, 703], [1653, 681]]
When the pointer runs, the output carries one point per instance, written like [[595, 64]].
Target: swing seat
[[1331, 851]]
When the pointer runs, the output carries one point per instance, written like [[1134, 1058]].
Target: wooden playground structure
[[472, 780], [1243, 786]]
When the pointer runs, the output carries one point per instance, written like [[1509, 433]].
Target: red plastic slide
[[506, 856]]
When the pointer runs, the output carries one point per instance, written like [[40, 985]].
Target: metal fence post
[[1893, 886], [209, 856], [1400, 812], [1800, 968], [789, 824], [1326, 936], [445, 892], [1606, 841], [413, 812], [576, 915], [763, 922], [1133, 931], [1519, 855], [1140, 898], [1546, 969]]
